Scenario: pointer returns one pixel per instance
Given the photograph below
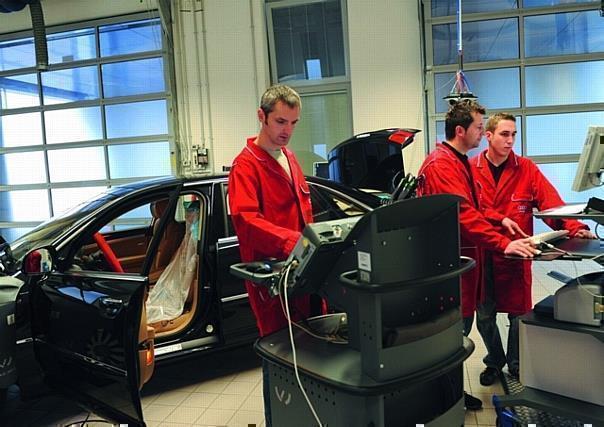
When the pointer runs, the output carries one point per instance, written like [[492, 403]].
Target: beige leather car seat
[[169, 241]]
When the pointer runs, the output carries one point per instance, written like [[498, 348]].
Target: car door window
[[123, 245], [327, 205], [136, 218], [120, 244]]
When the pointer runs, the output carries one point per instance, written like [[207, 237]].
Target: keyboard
[[548, 236]]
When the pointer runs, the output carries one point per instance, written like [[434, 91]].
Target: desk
[[561, 368], [572, 211]]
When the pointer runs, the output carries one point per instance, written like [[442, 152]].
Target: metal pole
[[459, 37]]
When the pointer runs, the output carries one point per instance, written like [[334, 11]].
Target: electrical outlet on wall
[[200, 156]]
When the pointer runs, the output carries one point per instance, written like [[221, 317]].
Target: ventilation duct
[[39, 29]]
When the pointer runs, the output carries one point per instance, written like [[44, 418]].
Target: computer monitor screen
[[591, 162]]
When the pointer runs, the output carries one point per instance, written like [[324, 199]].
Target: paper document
[[568, 209]]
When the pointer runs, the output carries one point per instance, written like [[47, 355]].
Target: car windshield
[[45, 233]]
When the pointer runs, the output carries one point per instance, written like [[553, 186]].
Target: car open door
[[91, 338]]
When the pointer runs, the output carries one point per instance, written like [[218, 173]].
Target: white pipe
[[181, 74], [254, 50], [198, 65], [203, 80]]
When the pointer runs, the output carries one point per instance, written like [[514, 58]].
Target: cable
[[552, 247], [294, 358], [88, 420], [596, 231], [581, 285], [331, 337]]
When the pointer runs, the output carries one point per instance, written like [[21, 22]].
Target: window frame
[[164, 53], [523, 111], [303, 83]]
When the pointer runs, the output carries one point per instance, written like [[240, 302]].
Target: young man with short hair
[[447, 170], [510, 187], [270, 204]]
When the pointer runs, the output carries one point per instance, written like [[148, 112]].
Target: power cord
[[294, 357], [552, 247], [331, 337], [88, 420], [581, 285]]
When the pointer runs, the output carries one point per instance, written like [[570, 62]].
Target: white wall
[[385, 69], [220, 83], [238, 72], [385, 65], [221, 71]]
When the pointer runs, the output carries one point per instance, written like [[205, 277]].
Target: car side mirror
[[38, 261]]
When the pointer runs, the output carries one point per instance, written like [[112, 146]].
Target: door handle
[[111, 306]]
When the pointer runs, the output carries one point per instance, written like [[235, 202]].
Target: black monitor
[[404, 241], [317, 251]]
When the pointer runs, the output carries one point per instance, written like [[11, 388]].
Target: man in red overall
[[270, 204], [447, 170], [510, 186]]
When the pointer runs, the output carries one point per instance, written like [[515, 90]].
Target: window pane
[[482, 41], [574, 83], [324, 123], [539, 3], [12, 234], [156, 160], [309, 41], [18, 130], [76, 164], [64, 199], [440, 136], [559, 133], [17, 54], [84, 125], [564, 33], [327, 206], [449, 7], [24, 205], [22, 168], [131, 37], [71, 46], [136, 218], [136, 119], [74, 84], [504, 94], [561, 175], [19, 91], [133, 77]]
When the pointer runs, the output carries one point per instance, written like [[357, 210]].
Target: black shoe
[[489, 376], [472, 403], [514, 373]]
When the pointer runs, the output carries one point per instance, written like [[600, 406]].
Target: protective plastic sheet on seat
[[167, 298]]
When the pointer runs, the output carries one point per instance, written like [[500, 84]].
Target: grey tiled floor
[[226, 389]]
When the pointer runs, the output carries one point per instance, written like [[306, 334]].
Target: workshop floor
[[226, 389]]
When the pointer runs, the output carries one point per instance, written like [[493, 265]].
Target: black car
[[138, 275]]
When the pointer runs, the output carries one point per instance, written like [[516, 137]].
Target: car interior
[[171, 303]]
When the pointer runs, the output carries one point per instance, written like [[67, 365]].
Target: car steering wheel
[[108, 253]]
